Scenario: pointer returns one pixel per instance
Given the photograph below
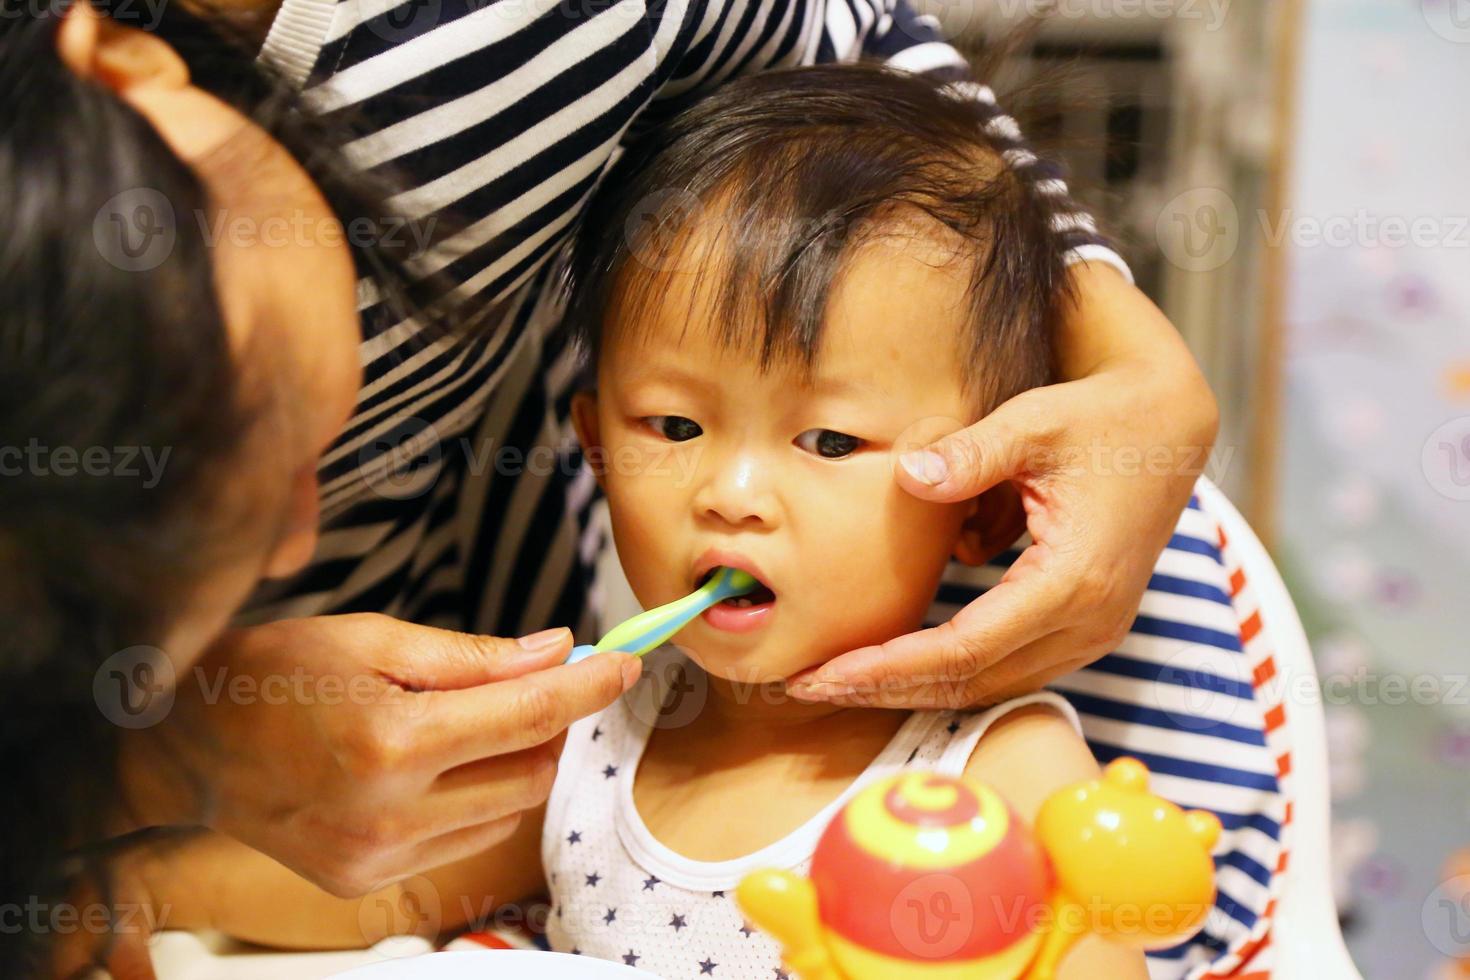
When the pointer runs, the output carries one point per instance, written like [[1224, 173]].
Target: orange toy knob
[[1138, 866]]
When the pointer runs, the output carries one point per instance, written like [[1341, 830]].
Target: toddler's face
[[709, 461]]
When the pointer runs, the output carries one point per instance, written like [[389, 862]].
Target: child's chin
[[741, 664]]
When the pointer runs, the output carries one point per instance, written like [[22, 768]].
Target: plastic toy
[[653, 628], [927, 877]]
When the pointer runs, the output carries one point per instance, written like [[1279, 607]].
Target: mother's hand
[[354, 749], [1103, 465]]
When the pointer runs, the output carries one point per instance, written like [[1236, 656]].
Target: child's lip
[[738, 619]]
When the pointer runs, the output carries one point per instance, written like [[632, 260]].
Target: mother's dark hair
[[107, 346]]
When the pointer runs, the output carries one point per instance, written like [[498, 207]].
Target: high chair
[[1297, 939], [1307, 942]]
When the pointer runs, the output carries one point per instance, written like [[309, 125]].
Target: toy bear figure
[[930, 877]]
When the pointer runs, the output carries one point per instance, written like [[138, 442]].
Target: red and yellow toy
[[929, 877]]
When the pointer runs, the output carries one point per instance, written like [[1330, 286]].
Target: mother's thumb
[[966, 463], [445, 660]]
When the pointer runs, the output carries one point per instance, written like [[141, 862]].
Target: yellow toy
[[927, 877]]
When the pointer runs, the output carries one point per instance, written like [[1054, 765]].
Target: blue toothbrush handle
[[581, 652]]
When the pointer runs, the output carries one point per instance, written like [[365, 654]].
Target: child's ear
[[589, 433], [995, 521]]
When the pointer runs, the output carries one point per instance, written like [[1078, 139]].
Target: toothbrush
[[650, 630]]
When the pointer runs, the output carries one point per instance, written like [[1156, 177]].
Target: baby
[[780, 290]]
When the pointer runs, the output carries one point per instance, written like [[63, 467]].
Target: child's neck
[[740, 705], [745, 721], [752, 742]]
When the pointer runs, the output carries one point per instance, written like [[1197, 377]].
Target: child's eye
[[675, 428], [828, 443]]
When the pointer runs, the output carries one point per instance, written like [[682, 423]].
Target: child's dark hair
[[796, 169], [98, 352]]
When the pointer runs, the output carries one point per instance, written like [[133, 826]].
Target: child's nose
[[738, 492]]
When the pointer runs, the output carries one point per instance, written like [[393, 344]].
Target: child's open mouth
[[742, 613]]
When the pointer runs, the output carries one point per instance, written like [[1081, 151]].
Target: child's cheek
[[875, 558], [649, 509]]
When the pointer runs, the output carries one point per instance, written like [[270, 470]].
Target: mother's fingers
[[494, 787], [1026, 677], [464, 843], [1002, 445], [496, 719], [942, 661]]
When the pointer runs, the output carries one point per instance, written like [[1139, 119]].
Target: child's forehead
[[901, 292], [894, 323]]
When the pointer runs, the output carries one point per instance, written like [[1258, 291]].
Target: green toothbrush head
[[741, 580]]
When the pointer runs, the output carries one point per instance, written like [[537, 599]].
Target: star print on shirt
[[593, 879], [782, 974], [678, 922], [954, 726], [609, 772], [718, 894], [912, 755], [575, 837], [611, 915], [649, 882], [746, 930], [630, 958], [596, 733], [706, 966]]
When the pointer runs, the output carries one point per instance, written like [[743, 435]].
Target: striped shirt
[[450, 498]]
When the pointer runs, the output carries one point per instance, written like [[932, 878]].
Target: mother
[[174, 280]]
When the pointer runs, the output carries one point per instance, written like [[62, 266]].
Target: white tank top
[[620, 895]]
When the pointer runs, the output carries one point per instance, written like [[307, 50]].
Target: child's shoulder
[[1026, 748], [966, 727]]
